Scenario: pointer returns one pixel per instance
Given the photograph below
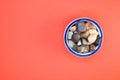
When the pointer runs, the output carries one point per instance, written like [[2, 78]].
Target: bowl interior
[[66, 33]]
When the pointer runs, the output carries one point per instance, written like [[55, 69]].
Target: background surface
[[31, 40]]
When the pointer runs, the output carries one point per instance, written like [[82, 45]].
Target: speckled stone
[[75, 37], [81, 27], [73, 28], [83, 49], [71, 43], [70, 33]]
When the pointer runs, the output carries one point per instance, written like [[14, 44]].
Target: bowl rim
[[66, 32]]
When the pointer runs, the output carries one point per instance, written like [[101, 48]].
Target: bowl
[[75, 23]]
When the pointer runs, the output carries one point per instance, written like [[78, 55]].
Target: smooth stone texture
[[92, 39], [81, 27], [93, 36], [79, 43], [83, 49], [84, 42], [70, 33], [93, 32], [71, 43], [73, 28], [85, 34], [75, 37]]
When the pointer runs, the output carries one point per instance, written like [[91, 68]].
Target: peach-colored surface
[[31, 40]]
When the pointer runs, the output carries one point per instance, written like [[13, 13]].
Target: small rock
[[73, 28], [93, 32], [83, 49], [70, 33], [75, 48], [92, 39], [75, 37], [71, 43], [93, 36], [84, 42], [98, 40], [92, 48], [89, 25], [81, 27], [85, 34], [79, 43]]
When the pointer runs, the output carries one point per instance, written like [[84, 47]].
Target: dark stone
[[98, 40], [75, 37]]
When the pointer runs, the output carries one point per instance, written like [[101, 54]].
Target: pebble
[[75, 48], [92, 39], [81, 27], [79, 43], [70, 33], [83, 49], [85, 34], [98, 40], [89, 25], [71, 43], [75, 37], [73, 28], [92, 48], [84, 42], [93, 36], [93, 32]]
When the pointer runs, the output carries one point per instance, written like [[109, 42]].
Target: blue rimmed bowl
[[66, 33]]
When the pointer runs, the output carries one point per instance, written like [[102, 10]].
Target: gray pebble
[[84, 41], [81, 27], [75, 48]]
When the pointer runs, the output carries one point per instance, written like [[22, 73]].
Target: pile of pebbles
[[83, 37]]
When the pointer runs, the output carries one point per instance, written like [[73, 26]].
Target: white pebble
[[71, 43], [70, 33], [93, 31], [92, 39], [79, 43]]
